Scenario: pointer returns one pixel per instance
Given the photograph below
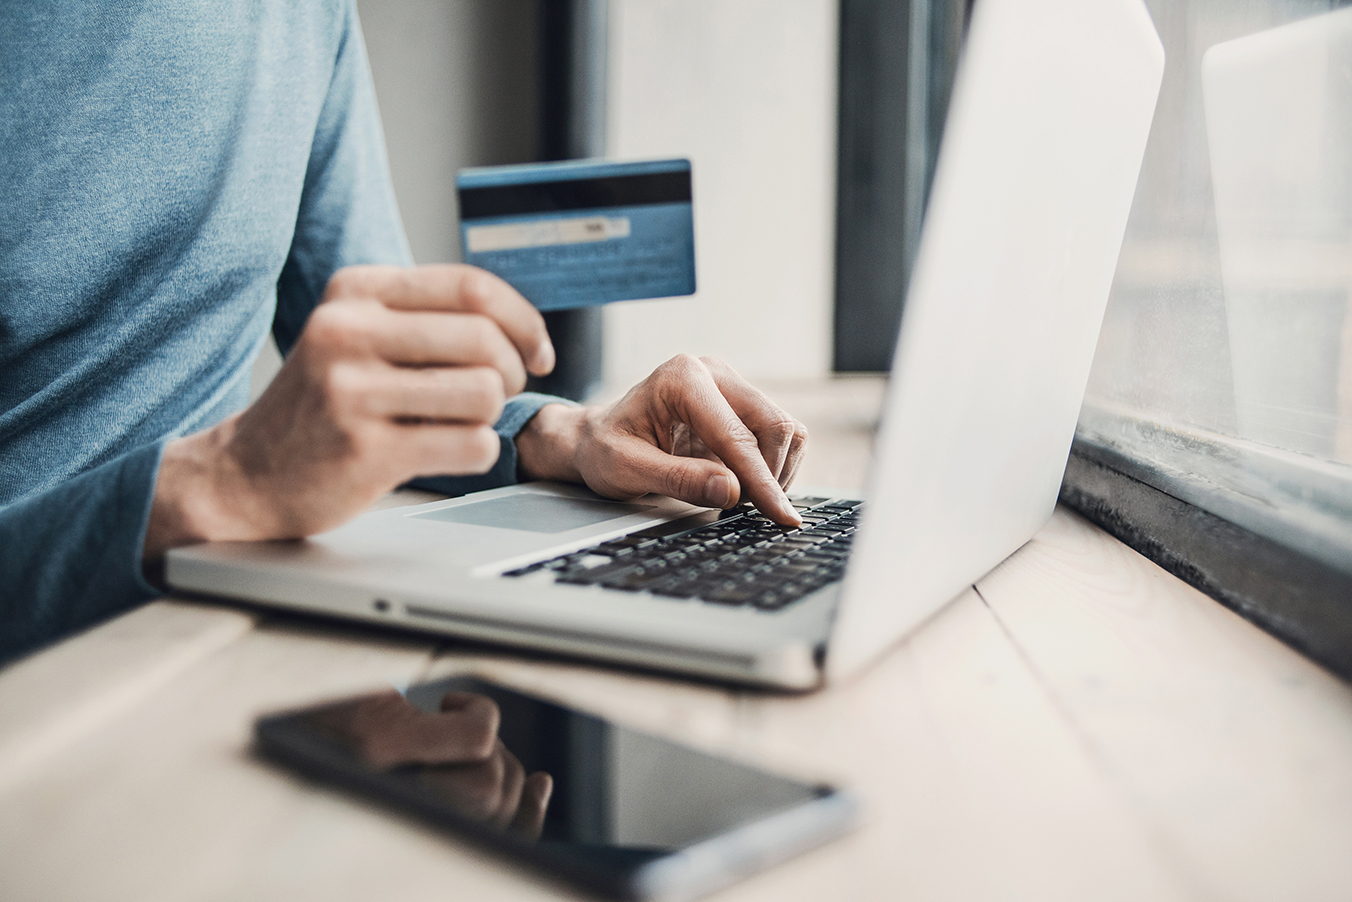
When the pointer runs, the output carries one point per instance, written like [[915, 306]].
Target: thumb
[[641, 468]]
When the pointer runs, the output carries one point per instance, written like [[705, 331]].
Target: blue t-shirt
[[176, 179]]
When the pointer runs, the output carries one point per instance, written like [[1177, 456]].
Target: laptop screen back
[[1043, 143]]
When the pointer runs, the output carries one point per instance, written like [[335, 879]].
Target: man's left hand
[[694, 430]]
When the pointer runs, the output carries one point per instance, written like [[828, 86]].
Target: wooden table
[[1079, 725]]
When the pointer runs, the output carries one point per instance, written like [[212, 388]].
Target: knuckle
[[486, 394], [511, 373], [482, 447], [364, 444], [339, 387], [679, 370], [476, 289], [325, 322], [783, 430], [685, 363], [335, 326], [480, 329], [345, 281]]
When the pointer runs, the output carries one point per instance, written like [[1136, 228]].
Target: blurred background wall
[[456, 83], [746, 90]]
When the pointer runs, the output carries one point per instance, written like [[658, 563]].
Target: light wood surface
[[1079, 725]]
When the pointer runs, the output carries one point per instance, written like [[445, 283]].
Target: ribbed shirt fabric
[[177, 178]]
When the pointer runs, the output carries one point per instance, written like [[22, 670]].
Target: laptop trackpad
[[536, 513]]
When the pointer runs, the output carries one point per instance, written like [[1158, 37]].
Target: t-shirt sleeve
[[70, 556], [348, 214]]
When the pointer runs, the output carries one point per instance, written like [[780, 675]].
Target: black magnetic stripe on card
[[575, 194]]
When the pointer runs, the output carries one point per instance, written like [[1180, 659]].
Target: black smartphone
[[620, 812]]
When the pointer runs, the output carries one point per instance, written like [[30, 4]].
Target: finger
[[391, 731], [776, 432], [478, 788], [430, 449], [797, 451], [685, 443], [452, 288], [696, 397], [791, 467], [513, 781], [447, 339], [638, 467], [530, 815], [454, 737], [472, 395]]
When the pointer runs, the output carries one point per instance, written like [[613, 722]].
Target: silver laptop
[[1044, 140]]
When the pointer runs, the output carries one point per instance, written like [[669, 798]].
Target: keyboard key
[[674, 585], [635, 580], [734, 594], [592, 575], [634, 541]]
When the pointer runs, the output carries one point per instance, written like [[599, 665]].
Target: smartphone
[[623, 813]]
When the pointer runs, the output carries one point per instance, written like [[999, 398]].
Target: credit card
[[580, 233]]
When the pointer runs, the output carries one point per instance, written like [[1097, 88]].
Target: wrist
[[546, 447], [191, 494]]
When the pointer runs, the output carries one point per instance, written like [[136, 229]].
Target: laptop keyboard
[[741, 558]]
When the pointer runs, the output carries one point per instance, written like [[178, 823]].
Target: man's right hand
[[399, 372]]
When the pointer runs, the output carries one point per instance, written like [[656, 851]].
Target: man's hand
[[399, 372], [694, 430], [463, 762]]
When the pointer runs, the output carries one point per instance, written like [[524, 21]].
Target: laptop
[[1045, 134]]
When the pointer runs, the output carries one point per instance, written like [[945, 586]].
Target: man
[[175, 180]]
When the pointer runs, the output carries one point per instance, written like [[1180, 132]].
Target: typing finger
[[778, 435], [690, 389]]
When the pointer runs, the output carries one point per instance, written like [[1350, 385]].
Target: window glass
[[1225, 362]]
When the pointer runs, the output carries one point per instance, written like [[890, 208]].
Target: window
[[1223, 376]]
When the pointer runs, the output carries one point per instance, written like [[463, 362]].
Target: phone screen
[[622, 811]]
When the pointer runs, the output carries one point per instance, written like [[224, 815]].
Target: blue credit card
[[575, 234]]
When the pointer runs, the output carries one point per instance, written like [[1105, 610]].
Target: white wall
[[747, 91], [455, 80]]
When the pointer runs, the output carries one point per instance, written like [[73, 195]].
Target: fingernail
[[789, 510], [717, 491]]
